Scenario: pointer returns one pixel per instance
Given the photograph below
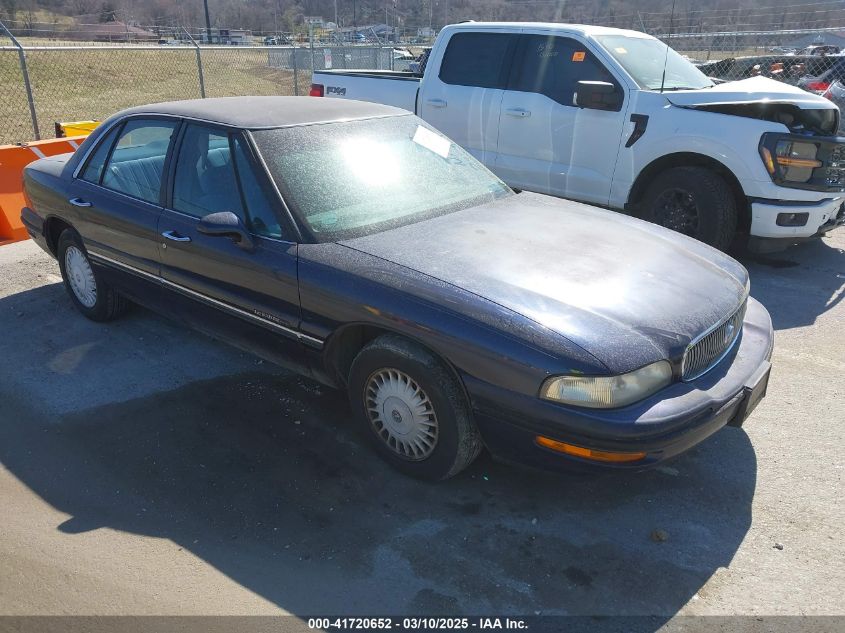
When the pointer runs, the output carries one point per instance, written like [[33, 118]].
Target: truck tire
[[695, 201], [91, 295], [413, 409]]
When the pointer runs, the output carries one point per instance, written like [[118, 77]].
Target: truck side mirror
[[598, 95]]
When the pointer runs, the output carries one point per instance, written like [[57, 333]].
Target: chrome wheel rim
[[80, 277], [401, 414]]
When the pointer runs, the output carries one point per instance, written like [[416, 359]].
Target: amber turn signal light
[[786, 161], [588, 453]]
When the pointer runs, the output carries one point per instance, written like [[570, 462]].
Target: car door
[[464, 98], [546, 143], [116, 194], [245, 294]]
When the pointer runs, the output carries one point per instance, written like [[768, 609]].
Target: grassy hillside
[[92, 84]]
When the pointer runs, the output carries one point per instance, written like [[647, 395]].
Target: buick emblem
[[729, 332]]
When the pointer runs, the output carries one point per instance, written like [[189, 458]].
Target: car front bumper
[[661, 426]]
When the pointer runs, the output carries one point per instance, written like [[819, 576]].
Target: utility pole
[[207, 22]]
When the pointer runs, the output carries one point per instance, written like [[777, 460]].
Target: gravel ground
[[149, 470]]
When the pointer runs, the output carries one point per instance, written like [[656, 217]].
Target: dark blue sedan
[[354, 244]]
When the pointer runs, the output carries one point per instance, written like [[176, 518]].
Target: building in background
[[229, 37], [114, 31]]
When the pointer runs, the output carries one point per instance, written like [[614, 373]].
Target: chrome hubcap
[[401, 414], [80, 277]]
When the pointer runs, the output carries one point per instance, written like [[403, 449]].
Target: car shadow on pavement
[[264, 477], [799, 284]]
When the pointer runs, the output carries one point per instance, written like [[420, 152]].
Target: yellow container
[[75, 128]]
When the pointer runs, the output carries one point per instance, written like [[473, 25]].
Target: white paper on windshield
[[432, 141]]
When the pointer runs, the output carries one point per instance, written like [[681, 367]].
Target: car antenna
[[666, 58]]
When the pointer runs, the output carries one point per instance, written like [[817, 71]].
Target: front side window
[[350, 179], [205, 180], [476, 59], [646, 59], [553, 66], [136, 164], [262, 217]]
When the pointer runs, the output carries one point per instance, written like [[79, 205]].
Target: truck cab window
[[477, 59], [553, 66]]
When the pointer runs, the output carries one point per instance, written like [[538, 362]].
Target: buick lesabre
[[353, 243]]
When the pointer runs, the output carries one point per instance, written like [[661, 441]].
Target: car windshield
[[350, 179], [644, 58]]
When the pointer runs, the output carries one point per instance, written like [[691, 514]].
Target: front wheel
[[695, 201], [413, 409]]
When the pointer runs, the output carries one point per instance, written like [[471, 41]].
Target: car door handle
[[518, 112], [436, 103], [173, 235], [79, 202]]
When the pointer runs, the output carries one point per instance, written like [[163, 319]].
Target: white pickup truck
[[617, 119]]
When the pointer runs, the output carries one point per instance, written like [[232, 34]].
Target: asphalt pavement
[[146, 469]]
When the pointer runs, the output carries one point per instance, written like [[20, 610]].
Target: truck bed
[[391, 87]]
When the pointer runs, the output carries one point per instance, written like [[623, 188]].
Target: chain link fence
[[56, 80], [69, 83]]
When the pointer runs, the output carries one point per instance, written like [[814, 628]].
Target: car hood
[[626, 291], [751, 90]]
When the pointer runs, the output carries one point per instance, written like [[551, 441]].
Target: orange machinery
[[13, 158]]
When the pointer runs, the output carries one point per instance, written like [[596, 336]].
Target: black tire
[[107, 303], [457, 441], [695, 201]]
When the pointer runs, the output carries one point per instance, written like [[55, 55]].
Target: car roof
[[268, 112], [585, 30]]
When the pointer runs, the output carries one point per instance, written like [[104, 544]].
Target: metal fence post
[[26, 84], [311, 44], [295, 72], [199, 62]]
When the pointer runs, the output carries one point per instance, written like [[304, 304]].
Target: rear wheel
[[91, 295], [695, 201], [413, 409]]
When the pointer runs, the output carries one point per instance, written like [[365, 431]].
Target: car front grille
[[708, 349]]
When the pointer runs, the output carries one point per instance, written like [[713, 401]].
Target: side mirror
[[598, 95], [226, 224]]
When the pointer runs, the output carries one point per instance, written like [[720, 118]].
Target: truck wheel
[[92, 296], [695, 201], [413, 409]]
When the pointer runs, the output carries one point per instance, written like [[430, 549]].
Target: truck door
[[462, 100], [546, 143]]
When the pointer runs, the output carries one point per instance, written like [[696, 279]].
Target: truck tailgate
[[394, 88]]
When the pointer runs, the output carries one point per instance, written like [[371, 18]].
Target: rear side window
[[137, 161], [553, 66], [94, 169], [477, 59]]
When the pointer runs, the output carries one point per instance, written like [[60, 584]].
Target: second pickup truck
[[618, 119]]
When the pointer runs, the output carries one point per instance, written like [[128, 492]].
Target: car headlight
[[608, 392], [789, 160]]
